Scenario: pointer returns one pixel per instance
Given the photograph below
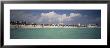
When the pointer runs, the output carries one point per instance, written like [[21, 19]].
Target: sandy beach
[[39, 26]]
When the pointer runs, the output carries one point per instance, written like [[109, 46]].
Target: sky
[[57, 16]]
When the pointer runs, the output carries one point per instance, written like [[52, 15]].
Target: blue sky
[[57, 16]]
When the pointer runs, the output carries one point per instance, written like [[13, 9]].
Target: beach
[[39, 26]]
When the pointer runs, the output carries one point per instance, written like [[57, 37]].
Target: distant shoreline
[[31, 26]]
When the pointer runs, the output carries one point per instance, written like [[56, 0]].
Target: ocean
[[55, 33]]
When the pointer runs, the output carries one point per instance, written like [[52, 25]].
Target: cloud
[[75, 14], [55, 17], [49, 15]]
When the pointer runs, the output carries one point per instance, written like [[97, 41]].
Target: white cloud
[[49, 15], [75, 14], [52, 16]]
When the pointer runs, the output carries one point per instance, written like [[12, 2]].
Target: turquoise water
[[55, 33]]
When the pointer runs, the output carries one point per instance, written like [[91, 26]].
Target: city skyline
[[57, 16]]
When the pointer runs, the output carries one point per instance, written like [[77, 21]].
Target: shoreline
[[32, 26]]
